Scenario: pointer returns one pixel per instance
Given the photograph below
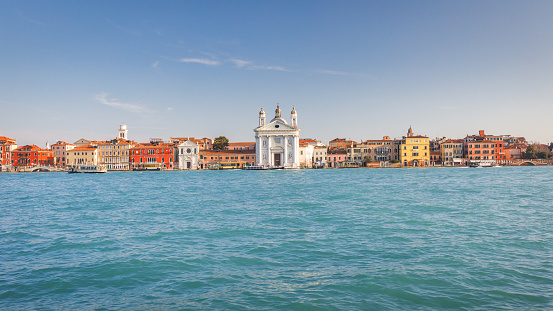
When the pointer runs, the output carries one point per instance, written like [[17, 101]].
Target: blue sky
[[352, 69]]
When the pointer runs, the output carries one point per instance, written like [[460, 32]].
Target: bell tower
[[123, 132], [262, 117], [294, 117]]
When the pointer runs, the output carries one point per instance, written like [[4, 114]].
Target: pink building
[[60, 149], [336, 157]]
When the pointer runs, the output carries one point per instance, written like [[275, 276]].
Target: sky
[[352, 69]]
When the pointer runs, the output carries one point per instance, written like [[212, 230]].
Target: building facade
[[7, 145], [187, 155], [484, 147], [154, 155], [451, 152], [82, 155], [60, 149], [277, 142], [414, 150], [32, 155], [214, 159]]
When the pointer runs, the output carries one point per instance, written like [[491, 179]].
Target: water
[[351, 239]]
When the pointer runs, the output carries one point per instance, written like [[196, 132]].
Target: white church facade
[[277, 142]]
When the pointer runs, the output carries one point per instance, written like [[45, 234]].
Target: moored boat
[[87, 168]]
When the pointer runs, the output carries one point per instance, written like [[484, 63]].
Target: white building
[[188, 154], [277, 142]]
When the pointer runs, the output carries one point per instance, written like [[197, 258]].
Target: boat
[[87, 168], [483, 163], [254, 168], [148, 167]]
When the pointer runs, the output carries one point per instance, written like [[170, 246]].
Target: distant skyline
[[355, 69]]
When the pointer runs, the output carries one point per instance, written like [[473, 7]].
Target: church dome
[[279, 119]]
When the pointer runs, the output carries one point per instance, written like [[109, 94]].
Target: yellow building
[[414, 150], [81, 155]]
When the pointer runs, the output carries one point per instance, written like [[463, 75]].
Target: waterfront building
[[336, 157], [451, 151], [82, 155], [305, 153], [187, 155], [60, 149], [115, 153], [153, 155], [374, 150], [435, 158], [320, 156], [414, 150], [7, 145], [513, 152], [214, 159], [484, 147], [277, 142], [32, 155]]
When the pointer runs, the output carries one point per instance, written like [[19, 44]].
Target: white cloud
[[155, 65], [276, 68], [202, 61], [240, 63], [102, 99]]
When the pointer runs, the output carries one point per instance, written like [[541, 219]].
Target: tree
[[220, 143], [367, 159], [550, 147], [532, 152]]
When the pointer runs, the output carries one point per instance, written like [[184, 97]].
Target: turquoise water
[[351, 239]]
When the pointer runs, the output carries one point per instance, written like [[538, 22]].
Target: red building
[[152, 156], [7, 145], [32, 155]]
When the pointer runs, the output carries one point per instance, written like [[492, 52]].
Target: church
[[277, 142]]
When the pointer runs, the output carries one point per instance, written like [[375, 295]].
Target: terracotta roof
[[84, 148], [33, 148], [62, 143], [4, 138]]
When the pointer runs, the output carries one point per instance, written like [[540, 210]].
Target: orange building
[[154, 155], [32, 155], [484, 147], [213, 159], [7, 145]]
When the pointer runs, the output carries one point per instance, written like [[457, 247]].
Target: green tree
[[534, 153], [367, 159], [220, 143]]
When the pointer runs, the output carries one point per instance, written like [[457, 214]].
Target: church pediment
[[276, 125]]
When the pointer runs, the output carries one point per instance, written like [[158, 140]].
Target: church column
[[269, 155], [285, 140], [258, 147], [296, 145]]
